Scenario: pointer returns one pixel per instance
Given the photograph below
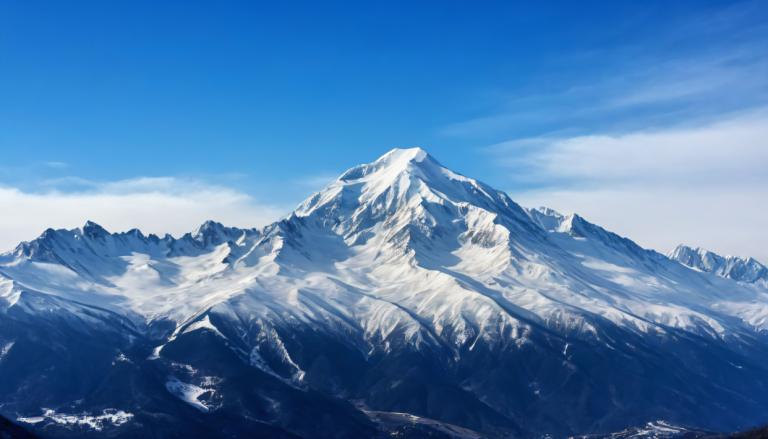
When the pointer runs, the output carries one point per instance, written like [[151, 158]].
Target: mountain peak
[[399, 155], [93, 230], [402, 178], [548, 219], [731, 267], [392, 164], [213, 232], [208, 227]]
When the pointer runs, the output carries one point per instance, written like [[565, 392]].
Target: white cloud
[[736, 148], [701, 185], [724, 221], [154, 205]]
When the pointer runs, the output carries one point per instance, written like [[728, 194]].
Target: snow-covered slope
[[404, 287]]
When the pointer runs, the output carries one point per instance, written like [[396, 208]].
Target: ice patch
[[657, 428], [272, 339], [5, 349], [204, 323], [189, 393], [121, 358], [107, 417], [7, 292], [156, 352]]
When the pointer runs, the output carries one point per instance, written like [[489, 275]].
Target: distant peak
[[683, 249], [548, 211], [213, 232], [92, 230], [208, 230], [208, 226], [687, 252], [550, 219], [732, 267]]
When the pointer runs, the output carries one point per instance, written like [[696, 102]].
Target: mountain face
[[402, 299], [730, 267]]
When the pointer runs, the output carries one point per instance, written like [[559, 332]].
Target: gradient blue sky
[[596, 107]]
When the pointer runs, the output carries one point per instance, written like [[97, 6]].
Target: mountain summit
[[402, 298], [731, 267]]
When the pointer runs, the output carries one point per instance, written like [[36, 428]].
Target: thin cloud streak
[[660, 94], [668, 79]]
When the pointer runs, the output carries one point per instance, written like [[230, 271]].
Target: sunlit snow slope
[[401, 287]]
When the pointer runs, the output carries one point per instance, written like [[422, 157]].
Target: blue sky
[[606, 108]]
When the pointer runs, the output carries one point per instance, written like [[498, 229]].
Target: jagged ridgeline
[[403, 298]]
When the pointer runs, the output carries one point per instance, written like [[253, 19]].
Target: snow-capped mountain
[[731, 267], [403, 298]]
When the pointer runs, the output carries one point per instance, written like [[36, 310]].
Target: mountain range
[[402, 300]]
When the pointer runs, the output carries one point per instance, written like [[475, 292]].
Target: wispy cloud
[[736, 74], [155, 205], [702, 184], [704, 67], [660, 93], [727, 152]]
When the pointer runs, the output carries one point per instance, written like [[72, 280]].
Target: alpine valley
[[402, 300]]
